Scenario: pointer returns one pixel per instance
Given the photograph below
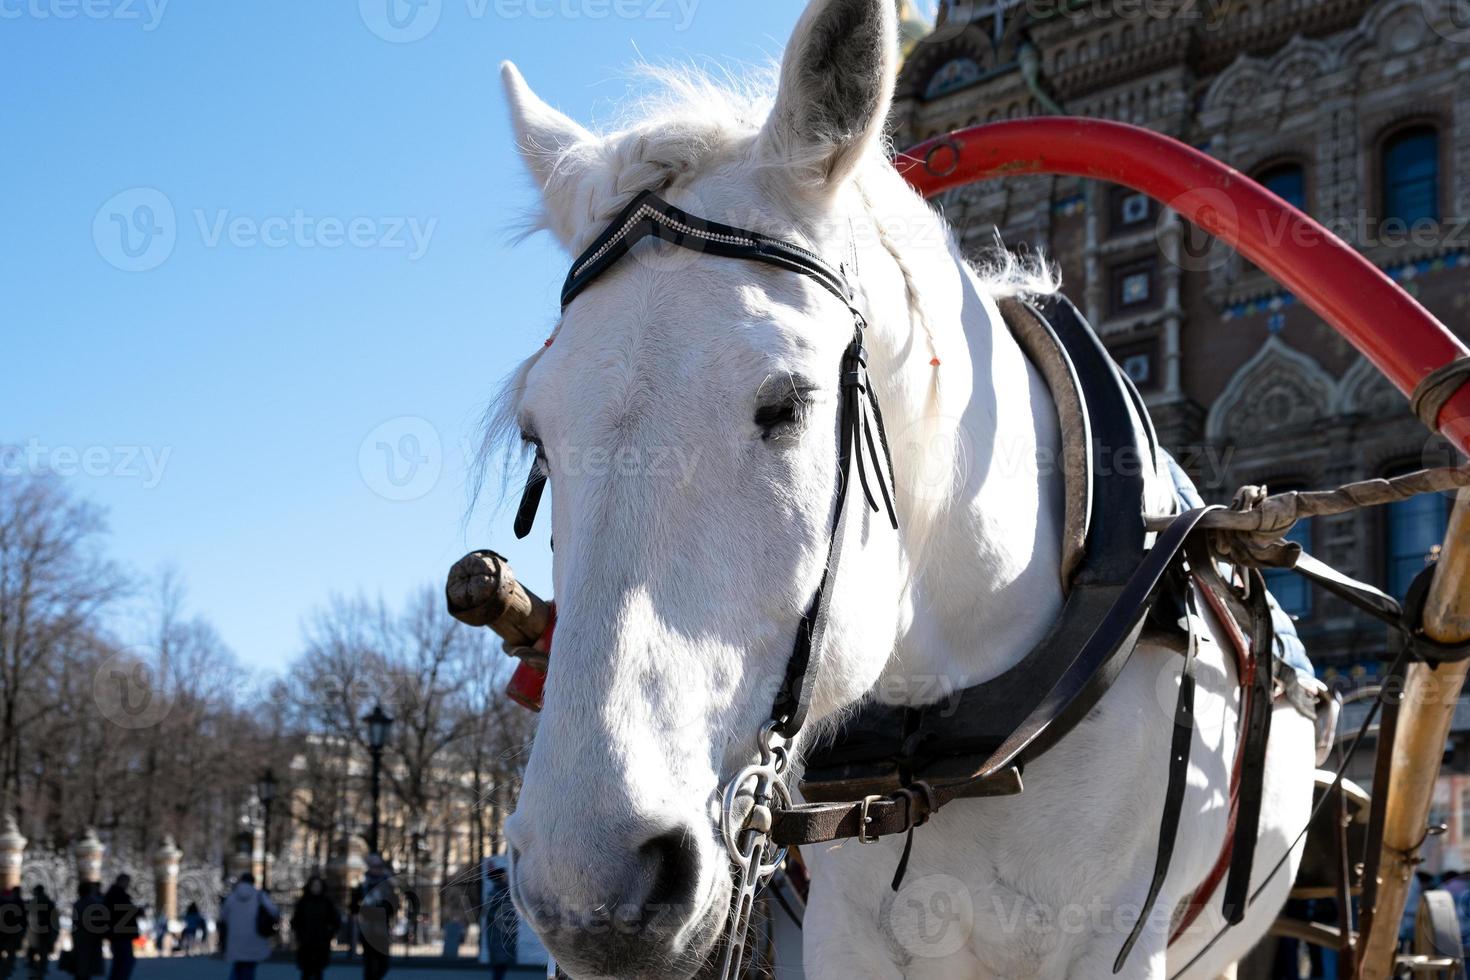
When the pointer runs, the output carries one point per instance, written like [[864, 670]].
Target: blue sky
[[257, 282]]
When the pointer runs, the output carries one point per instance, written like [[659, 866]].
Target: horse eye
[[777, 419]]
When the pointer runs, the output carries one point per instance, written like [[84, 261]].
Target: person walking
[[41, 932], [12, 930], [501, 925], [195, 929], [314, 924], [90, 923], [122, 928], [244, 916], [375, 905]]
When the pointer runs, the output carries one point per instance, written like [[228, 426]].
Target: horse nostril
[[672, 862]]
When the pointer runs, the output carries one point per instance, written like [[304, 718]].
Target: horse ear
[[837, 81], [548, 141]]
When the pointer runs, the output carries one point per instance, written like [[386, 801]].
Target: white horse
[[686, 411]]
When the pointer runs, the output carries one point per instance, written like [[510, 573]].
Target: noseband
[[747, 833]]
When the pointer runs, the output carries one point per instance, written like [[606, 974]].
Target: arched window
[[1292, 591], [1287, 181], [1413, 528], [1411, 175], [952, 76]]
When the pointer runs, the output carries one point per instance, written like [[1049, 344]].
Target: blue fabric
[[1289, 646]]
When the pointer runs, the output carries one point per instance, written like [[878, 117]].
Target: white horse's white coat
[[689, 540]]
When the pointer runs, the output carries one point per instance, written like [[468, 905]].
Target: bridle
[[747, 836]]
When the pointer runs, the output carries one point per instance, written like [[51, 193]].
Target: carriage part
[[1403, 339], [483, 591], [1437, 933], [1430, 696]]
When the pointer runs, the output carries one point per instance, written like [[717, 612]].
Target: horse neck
[[982, 521]]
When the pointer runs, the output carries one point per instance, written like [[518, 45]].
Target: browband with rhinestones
[[649, 215]]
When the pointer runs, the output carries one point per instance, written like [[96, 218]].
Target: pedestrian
[[41, 931], [454, 931], [248, 918], [195, 929], [12, 930], [314, 924], [375, 904], [89, 926], [160, 933], [122, 927], [501, 925]]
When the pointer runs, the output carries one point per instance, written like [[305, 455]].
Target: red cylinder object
[[1404, 340], [527, 685]]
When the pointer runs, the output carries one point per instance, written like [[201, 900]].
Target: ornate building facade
[[1357, 111]]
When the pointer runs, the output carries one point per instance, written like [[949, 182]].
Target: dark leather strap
[[1179, 751], [649, 215], [1429, 651], [1373, 601], [854, 439], [530, 501], [877, 816], [1257, 703], [1108, 648], [1017, 716]]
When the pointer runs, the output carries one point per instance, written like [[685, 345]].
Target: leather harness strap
[[649, 216]]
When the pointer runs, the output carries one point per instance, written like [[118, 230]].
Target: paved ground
[[206, 968]]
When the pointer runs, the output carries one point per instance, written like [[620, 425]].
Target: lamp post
[[378, 723], [266, 790]]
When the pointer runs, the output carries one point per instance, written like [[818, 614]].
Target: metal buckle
[[865, 820]]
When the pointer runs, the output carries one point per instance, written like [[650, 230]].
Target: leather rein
[[862, 444]]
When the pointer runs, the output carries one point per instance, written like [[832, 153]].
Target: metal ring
[[948, 144]]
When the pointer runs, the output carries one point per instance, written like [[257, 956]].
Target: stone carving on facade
[[1277, 390], [1364, 391]]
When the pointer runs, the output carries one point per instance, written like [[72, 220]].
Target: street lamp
[[266, 790], [378, 723]]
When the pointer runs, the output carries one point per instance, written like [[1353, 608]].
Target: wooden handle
[[1430, 696], [483, 591]]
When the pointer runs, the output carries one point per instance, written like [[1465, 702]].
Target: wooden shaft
[[1424, 723], [483, 591]]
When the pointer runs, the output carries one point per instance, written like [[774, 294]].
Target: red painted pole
[[1390, 328]]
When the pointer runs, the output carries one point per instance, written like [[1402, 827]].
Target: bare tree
[[54, 579]]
